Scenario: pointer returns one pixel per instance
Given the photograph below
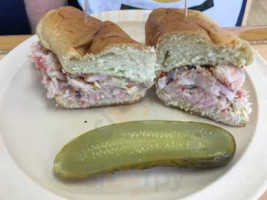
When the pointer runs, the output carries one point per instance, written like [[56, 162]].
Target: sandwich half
[[200, 66], [90, 64]]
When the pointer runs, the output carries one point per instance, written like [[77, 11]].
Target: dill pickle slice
[[145, 144]]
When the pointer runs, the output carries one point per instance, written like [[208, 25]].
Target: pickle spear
[[145, 144]]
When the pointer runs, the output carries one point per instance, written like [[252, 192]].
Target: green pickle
[[145, 144]]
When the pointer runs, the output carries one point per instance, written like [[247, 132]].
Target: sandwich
[[200, 66], [90, 64]]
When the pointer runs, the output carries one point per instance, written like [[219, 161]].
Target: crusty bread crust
[[64, 32], [64, 103], [165, 23], [212, 114]]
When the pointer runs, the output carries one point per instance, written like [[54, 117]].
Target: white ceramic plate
[[33, 130]]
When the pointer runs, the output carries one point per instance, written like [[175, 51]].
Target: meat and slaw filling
[[86, 88], [215, 87]]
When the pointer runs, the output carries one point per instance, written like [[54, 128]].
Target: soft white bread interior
[[95, 47], [193, 40]]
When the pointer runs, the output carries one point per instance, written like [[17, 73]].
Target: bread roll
[[95, 46], [193, 40], [200, 65], [91, 64]]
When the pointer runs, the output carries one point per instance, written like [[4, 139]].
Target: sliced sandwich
[[90, 64], [201, 66]]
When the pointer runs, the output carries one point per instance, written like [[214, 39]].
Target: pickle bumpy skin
[[145, 144]]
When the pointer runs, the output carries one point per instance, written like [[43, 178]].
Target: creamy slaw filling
[[86, 88], [207, 87]]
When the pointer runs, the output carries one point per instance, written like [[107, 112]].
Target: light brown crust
[[198, 112], [63, 103], [64, 32], [162, 22]]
